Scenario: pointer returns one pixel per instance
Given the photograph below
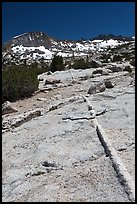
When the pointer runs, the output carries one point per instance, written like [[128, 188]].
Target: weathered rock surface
[[20, 119], [51, 159]]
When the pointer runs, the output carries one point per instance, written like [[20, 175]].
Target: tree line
[[21, 81]]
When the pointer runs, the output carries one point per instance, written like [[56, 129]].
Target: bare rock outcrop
[[20, 119]]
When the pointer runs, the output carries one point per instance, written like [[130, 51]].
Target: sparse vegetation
[[81, 64], [119, 47], [57, 64], [127, 68], [126, 56], [18, 82], [117, 58], [105, 58]]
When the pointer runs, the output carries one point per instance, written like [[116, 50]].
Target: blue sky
[[68, 20]]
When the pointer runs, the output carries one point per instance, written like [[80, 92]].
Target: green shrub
[[81, 64], [57, 64], [117, 58], [105, 58], [119, 47], [127, 68], [18, 82], [39, 69], [126, 55]]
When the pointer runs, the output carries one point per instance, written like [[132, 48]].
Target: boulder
[[41, 79], [109, 84], [115, 68], [105, 72], [101, 71], [97, 71], [96, 75], [100, 87], [41, 99], [52, 81], [96, 63], [7, 108]]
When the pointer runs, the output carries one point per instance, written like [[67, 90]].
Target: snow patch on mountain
[[34, 46], [47, 54]]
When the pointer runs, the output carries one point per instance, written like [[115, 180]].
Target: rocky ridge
[[39, 47]]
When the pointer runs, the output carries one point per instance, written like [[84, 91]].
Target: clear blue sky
[[68, 20]]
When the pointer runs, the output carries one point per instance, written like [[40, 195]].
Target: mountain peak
[[31, 39], [111, 36], [30, 34]]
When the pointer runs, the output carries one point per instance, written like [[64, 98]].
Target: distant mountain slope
[[31, 39], [111, 36], [34, 46]]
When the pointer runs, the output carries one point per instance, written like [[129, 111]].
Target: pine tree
[[57, 64]]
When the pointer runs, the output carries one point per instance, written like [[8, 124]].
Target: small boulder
[[92, 90], [100, 87], [52, 81], [41, 79], [101, 71], [115, 68], [97, 71], [109, 84], [41, 99], [7, 108], [96, 75], [105, 72], [96, 63]]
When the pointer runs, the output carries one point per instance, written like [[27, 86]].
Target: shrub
[[18, 82], [127, 68], [119, 47], [105, 58], [57, 64], [126, 55], [117, 58], [81, 64], [39, 69]]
